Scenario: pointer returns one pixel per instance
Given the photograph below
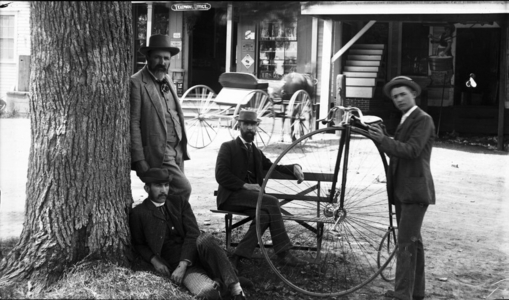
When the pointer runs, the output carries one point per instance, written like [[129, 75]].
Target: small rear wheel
[[388, 246], [201, 115], [259, 101]]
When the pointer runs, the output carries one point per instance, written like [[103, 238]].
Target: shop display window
[[277, 49]]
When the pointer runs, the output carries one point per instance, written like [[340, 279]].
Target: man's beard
[[248, 136], [159, 71]]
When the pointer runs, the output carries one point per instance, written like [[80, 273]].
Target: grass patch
[[101, 280]]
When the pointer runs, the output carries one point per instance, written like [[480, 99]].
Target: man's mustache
[[162, 194]]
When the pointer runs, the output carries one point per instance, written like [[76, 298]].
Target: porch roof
[[419, 11]]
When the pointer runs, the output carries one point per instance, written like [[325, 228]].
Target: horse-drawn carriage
[[207, 112]]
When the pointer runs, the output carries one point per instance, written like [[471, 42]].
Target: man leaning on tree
[[158, 135]]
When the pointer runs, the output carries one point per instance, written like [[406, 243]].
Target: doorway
[[208, 48], [477, 52]]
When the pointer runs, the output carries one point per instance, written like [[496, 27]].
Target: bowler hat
[[401, 80], [155, 175], [159, 42], [247, 116]]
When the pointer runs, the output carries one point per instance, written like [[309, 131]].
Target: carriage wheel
[[300, 112], [201, 115], [387, 246], [340, 240], [260, 102]]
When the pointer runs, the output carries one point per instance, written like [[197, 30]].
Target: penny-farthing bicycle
[[339, 218]]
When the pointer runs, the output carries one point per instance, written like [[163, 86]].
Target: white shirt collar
[[403, 118], [157, 204]]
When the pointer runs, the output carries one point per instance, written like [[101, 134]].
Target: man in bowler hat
[[158, 135], [166, 238], [239, 173], [410, 184]]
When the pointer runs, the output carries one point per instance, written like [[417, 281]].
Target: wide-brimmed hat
[[247, 116], [401, 80], [159, 42], [156, 175]]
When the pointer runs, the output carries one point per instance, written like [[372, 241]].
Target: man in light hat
[[158, 136], [410, 184], [239, 173], [166, 238]]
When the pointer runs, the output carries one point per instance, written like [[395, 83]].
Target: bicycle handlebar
[[348, 115]]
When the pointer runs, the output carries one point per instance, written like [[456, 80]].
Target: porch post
[[502, 93], [326, 69], [229, 24], [149, 21]]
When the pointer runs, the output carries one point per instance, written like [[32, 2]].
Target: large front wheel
[[335, 219]]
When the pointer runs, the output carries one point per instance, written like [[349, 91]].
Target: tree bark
[[78, 192]]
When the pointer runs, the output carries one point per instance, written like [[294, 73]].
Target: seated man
[[239, 172], [165, 233]]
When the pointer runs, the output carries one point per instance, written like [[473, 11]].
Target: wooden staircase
[[364, 68]]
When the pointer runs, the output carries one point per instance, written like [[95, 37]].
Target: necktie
[[162, 210]]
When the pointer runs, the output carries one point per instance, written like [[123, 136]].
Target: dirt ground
[[466, 234]]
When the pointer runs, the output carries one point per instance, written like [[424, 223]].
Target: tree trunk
[[78, 190]]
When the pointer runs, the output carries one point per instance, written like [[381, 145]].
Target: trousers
[[410, 276], [270, 217], [179, 184]]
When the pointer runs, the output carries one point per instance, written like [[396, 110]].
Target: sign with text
[[190, 7]]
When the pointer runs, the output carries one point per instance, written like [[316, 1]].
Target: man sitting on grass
[[165, 233]]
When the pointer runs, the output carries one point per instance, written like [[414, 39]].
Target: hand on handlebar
[[376, 132]]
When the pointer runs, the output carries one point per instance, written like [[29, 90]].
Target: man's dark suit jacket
[[148, 123], [231, 168], [148, 228], [409, 179]]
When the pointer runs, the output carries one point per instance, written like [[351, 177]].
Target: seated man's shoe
[[240, 296], [245, 283], [288, 259]]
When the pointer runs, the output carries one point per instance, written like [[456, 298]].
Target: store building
[[367, 43]]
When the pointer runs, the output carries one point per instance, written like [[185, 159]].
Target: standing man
[[166, 237], [239, 172], [158, 136], [410, 184]]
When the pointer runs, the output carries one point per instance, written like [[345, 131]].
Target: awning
[[420, 11]]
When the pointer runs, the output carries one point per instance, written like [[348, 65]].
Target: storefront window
[[278, 49]]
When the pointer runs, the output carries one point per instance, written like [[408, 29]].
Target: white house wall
[[9, 69]]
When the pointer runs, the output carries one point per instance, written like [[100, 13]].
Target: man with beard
[[165, 236], [158, 136], [239, 172]]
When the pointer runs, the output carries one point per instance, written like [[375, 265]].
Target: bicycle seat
[[371, 119]]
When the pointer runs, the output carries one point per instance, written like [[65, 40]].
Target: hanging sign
[[190, 7], [247, 61]]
